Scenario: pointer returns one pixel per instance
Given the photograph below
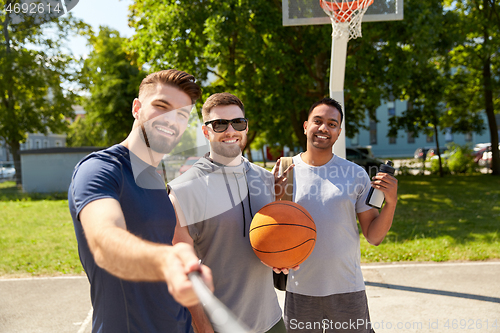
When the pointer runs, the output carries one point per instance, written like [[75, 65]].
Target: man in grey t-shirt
[[328, 291], [215, 201]]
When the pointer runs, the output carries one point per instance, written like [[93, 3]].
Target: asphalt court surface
[[403, 297]]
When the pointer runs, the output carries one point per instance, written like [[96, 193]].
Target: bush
[[435, 166], [461, 160], [405, 168]]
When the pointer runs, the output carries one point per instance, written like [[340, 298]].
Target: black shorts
[[335, 313]]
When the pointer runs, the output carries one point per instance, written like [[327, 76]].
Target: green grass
[[454, 218], [36, 234]]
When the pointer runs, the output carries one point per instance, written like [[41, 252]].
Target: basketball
[[282, 234]]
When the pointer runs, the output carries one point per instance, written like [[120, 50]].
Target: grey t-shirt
[[218, 211], [333, 194]]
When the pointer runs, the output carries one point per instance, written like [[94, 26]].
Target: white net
[[346, 16]]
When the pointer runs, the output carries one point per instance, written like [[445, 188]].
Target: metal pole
[[337, 75]]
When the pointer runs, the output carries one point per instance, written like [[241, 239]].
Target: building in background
[[39, 140], [405, 144]]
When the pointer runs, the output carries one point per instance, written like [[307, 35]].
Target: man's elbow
[[374, 241]]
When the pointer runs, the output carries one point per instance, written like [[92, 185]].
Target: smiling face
[[229, 143], [322, 128], [163, 114]]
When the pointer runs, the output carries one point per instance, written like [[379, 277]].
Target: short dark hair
[[172, 77], [224, 98], [330, 102]]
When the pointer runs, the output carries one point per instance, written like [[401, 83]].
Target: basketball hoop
[[346, 16]]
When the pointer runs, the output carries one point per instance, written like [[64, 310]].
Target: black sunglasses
[[221, 125]]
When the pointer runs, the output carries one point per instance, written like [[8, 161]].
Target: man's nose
[[170, 117], [230, 129], [323, 128]]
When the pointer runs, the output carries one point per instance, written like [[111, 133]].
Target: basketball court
[[419, 297], [403, 297]]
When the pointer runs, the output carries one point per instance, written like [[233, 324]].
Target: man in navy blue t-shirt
[[124, 221]]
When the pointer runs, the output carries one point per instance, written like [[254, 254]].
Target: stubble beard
[[229, 151], [157, 142]]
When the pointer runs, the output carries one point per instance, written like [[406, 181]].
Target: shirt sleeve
[[95, 179], [364, 187]]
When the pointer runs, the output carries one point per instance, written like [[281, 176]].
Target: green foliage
[[461, 160], [112, 77], [84, 132], [33, 68], [474, 81], [435, 167], [277, 71], [406, 167]]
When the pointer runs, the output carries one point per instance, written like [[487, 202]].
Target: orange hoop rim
[[346, 7]]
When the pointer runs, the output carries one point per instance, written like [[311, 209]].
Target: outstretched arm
[[130, 258], [201, 323]]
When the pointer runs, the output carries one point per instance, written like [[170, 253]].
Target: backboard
[[309, 12]]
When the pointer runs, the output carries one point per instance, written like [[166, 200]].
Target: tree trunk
[[15, 148], [249, 154], [436, 132], [263, 156], [490, 113], [9, 101], [298, 128], [250, 138]]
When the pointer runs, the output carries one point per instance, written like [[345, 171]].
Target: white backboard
[[309, 12]]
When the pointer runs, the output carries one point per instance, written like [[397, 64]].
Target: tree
[[413, 57], [33, 70], [111, 77], [476, 65], [277, 71]]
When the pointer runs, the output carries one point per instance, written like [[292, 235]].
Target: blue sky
[[113, 13]]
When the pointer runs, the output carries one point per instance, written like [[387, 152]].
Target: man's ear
[[204, 128], [305, 127], [136, 106]]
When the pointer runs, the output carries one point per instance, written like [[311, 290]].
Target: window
[[391, 108], [45, 144], [373, 132], [448, 136], [468, 137], [411, 138], [38, 144], [430, 138], [58, 143], [392, 140]]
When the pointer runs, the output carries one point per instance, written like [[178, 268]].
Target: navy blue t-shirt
[[119, 305]]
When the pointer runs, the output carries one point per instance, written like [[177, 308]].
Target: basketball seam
[[277, 225], [287, 204], [305, 257], [307, 240]]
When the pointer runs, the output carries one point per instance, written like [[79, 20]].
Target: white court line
[[45, 278], [86, 322], [437, 264], [363, 266]]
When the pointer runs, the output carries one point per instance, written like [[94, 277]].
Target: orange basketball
[[282, 234]]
